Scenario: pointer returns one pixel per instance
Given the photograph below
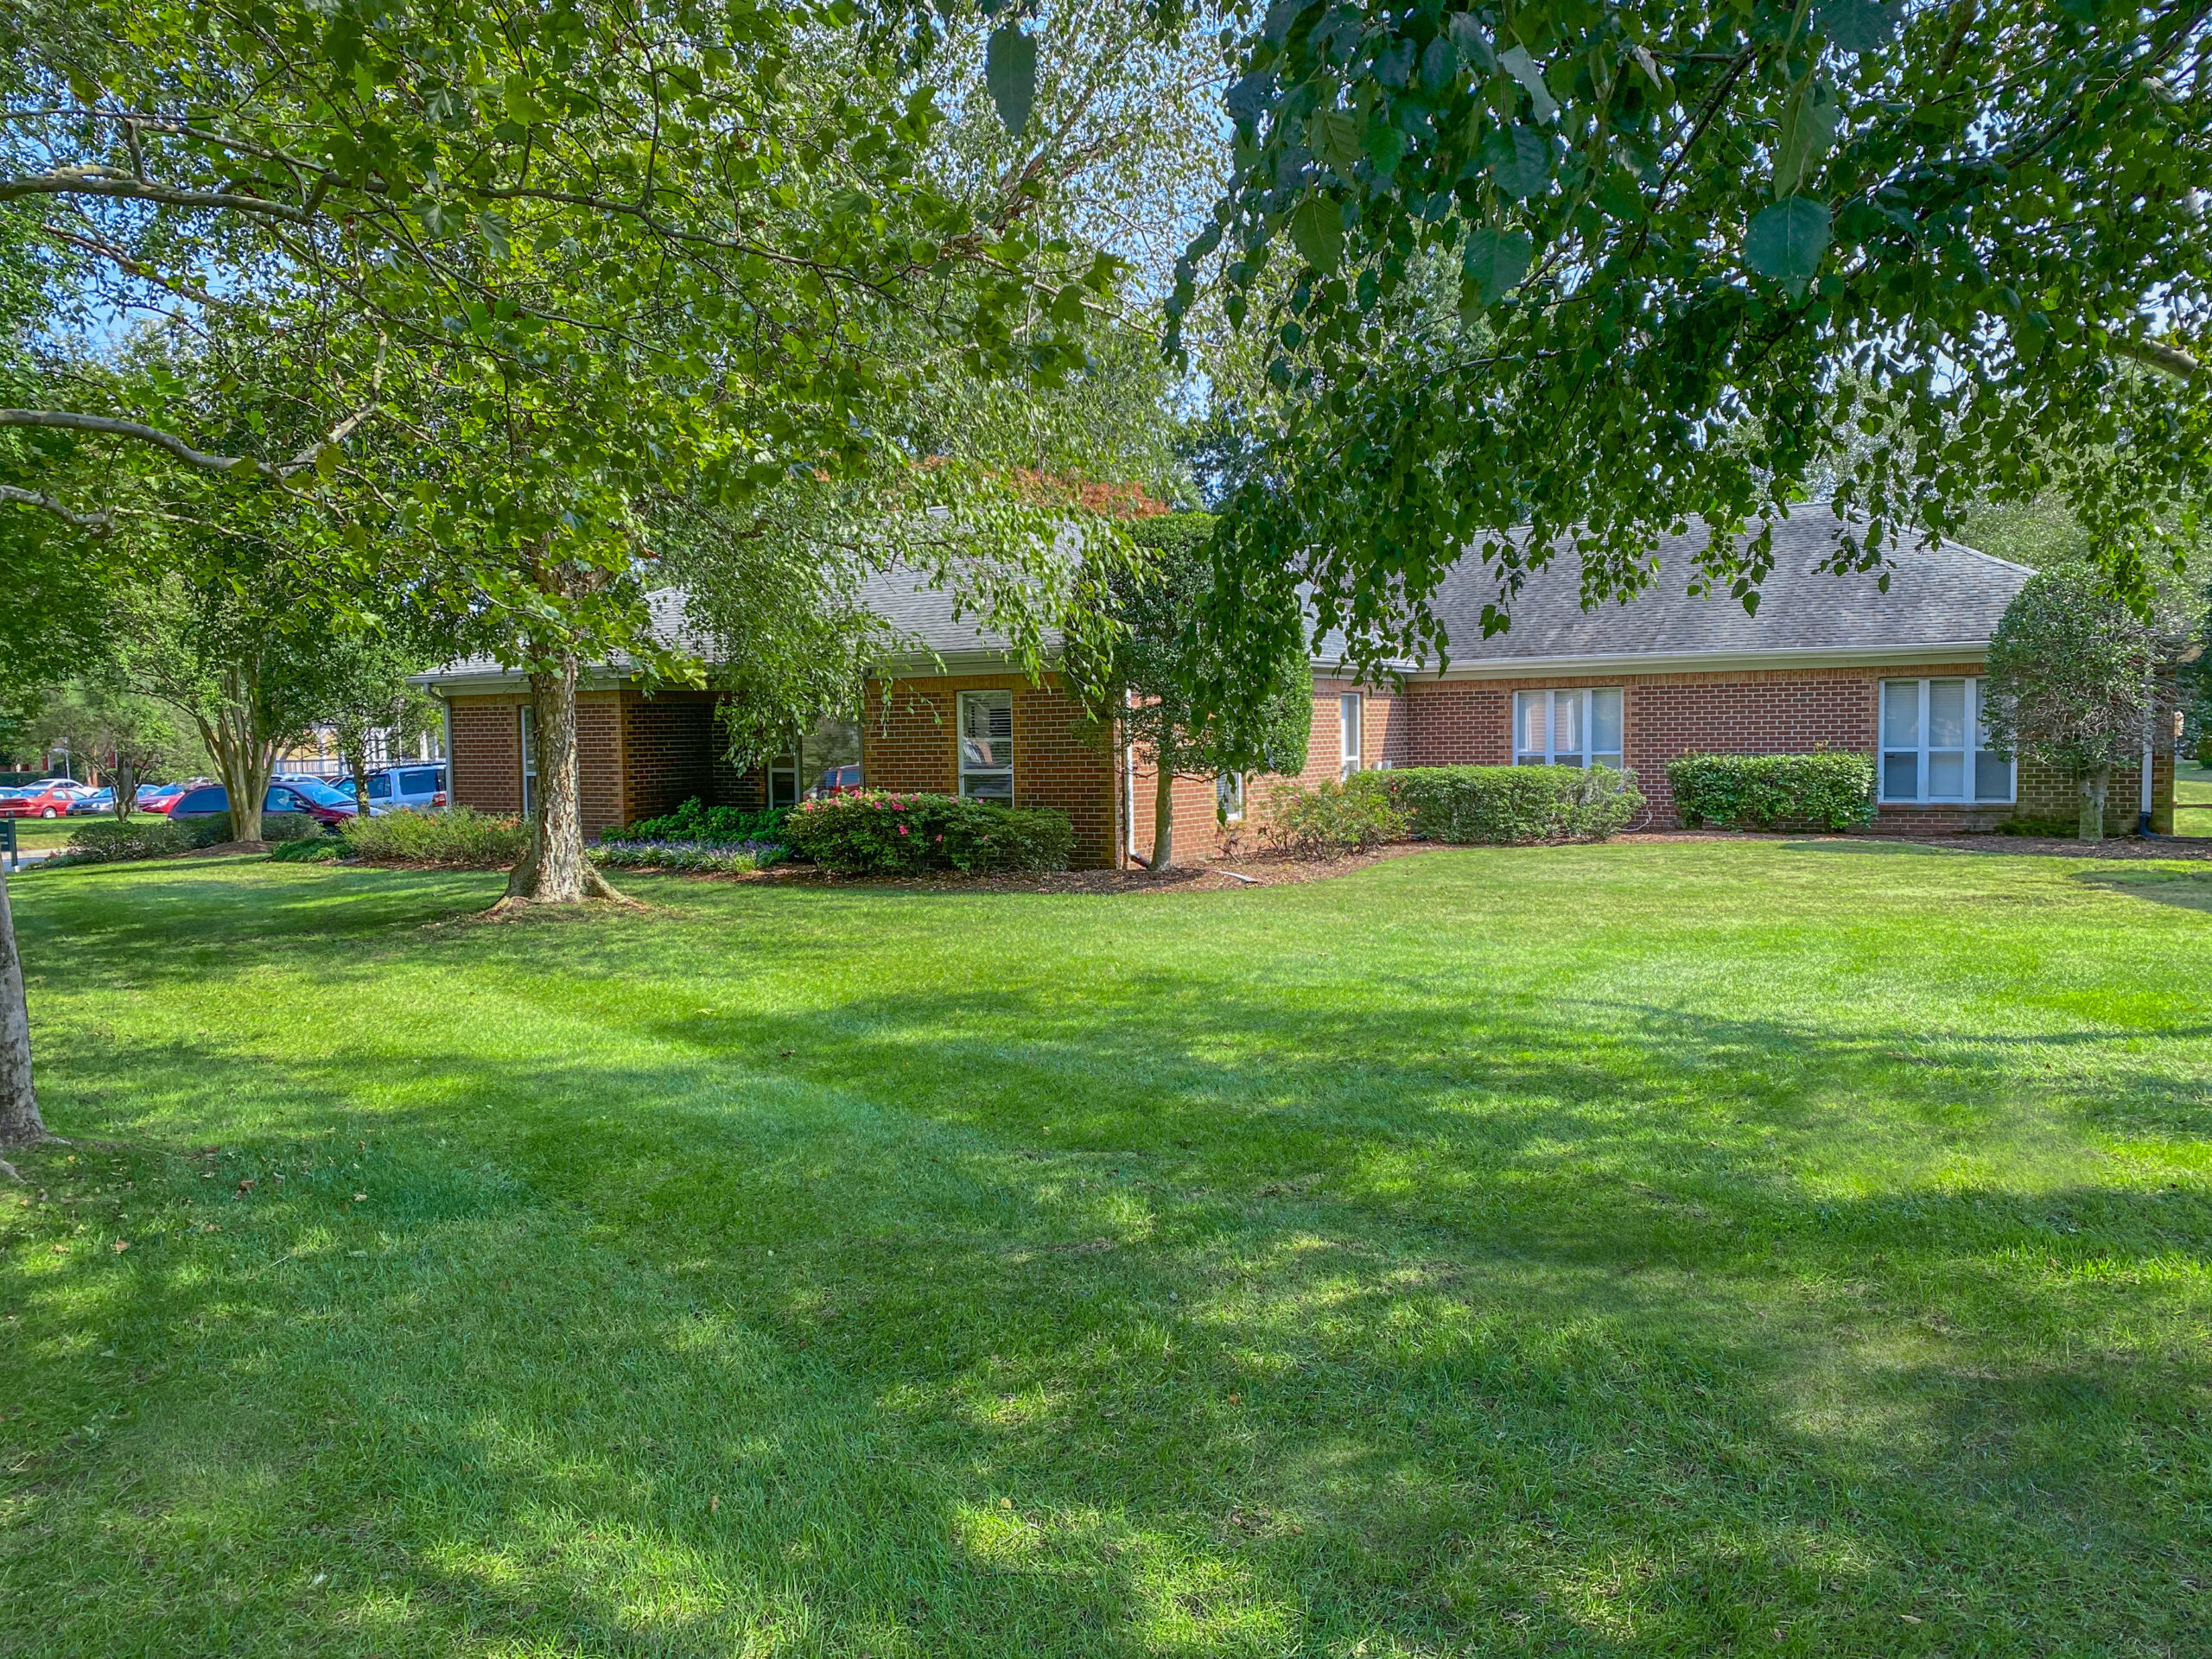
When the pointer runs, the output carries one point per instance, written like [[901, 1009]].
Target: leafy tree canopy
[[1695, 248]]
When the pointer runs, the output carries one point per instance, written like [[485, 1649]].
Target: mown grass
[[47, 832], [2192, 800], [1790, 1247]]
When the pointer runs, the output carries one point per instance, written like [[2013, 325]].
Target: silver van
[[405, 789]]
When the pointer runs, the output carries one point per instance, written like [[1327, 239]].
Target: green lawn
[[47, 832], [2192, 800], [1675, 1248]]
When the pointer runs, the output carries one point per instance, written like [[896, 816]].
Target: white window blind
[[1933, 745], [987, 744], [1229, 796], [1580, 727], [1349, 714], [529, 762]]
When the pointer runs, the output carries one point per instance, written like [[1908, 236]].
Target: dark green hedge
[[881, 832], [1828, 789], [1515, 806], [695, 820]]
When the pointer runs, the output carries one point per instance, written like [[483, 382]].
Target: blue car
[[90, 805]]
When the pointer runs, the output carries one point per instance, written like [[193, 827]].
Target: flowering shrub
[[697, 857], [884, 832]]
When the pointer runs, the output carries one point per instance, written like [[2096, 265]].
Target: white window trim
[[1977, 742], [1232, 812], [527, 725], [1351, 733], [960, 741], [1583, 756]]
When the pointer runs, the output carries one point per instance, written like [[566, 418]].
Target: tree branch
[[2167, 359], [107, 426], [95, 525], [104, 181]]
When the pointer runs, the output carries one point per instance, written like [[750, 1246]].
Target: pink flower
[[902, 829]]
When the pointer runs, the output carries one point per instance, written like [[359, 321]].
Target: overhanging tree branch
[[92, 523], [101, 181], [2167, 359]]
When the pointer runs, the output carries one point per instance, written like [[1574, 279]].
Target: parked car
[[160, 798], [837, 780], [208, 799], [40, 801], [91, 801], [404, 789]]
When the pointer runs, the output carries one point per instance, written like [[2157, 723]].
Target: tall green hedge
[[1515, 806], [1828, 789]]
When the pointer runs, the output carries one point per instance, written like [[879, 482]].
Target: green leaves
[[1857, 26], [1010, 73], [1519, 160], [1786, 241], [1808, 124], [1335, 135], [1518, 63], [1317, 230], [1495, 261]]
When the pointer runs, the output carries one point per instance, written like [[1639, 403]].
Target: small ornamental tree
[[1145, 673], [2072, 681]]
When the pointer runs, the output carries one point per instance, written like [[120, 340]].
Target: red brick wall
[[487, 761], [487, 756], [1385, 740], [668, 751], [908, 741], [1778, 711]]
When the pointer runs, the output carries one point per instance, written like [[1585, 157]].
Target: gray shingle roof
[[1938, 595]]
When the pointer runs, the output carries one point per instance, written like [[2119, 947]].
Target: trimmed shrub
[[112, 841], [1333, 819], [288, 826], [698, 857], [1515, 806], [457, 836], [695, 822], [1827, 789], [876, 832], [316, 849]]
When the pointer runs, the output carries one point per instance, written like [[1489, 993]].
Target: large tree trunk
[[554, 871], [243, 755], [1163, 816], [19, 1120], [125, 772], [2094, 785]]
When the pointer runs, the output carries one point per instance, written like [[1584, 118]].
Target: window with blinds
[[529, 762], [1580, 727], [986, 746], [1934, 748]]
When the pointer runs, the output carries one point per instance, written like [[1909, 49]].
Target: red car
[[162, 799], [35, 802], [837, 780]]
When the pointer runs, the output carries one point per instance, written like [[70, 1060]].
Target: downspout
[[2149, 757]]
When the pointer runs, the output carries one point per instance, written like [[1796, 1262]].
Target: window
[[529, 764], [987, 744], [783, 780], [1567, 728], [425, 782], [1229, 796], [1348, 732], [1933, 745], [380, 784]]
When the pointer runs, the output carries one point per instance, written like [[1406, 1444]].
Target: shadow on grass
[[686, 1355]]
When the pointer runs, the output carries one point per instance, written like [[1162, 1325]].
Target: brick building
[[1827, 661]]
